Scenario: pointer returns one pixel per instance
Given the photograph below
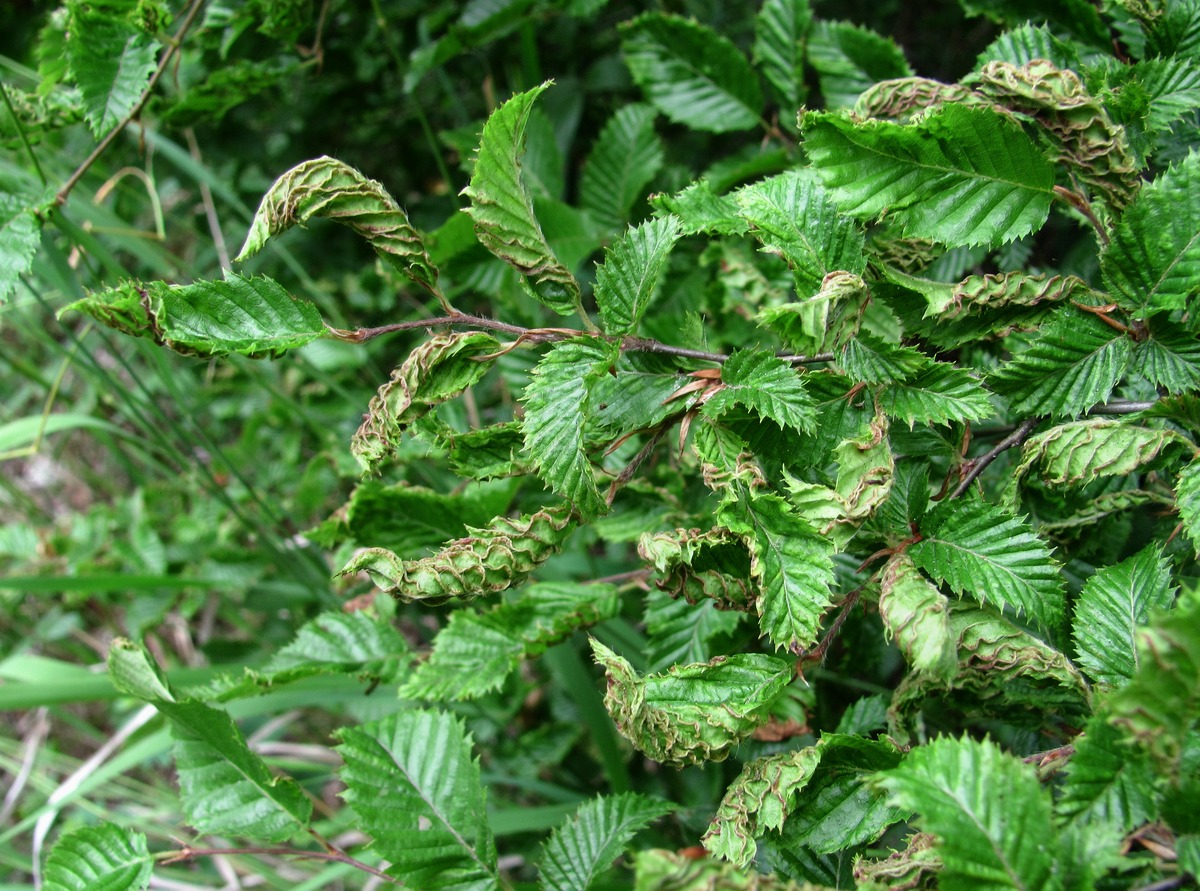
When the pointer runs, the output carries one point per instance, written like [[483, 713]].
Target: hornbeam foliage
[[781, 470]]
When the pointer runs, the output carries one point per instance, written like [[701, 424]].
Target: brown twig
[[187, 852], [980, 464], [172, 49], [1080, 204]]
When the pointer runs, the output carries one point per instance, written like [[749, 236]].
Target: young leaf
[[1153, 261], [1107, 781], [917, 616], [412, 782], [766, 792], [111, 59], [826, 320], [952, 785], [940, 394], [1160, 706], [769, 385], [502, 207], [586, 846], [1073, 364], [327, 188], [627, 280], [780, 32], [1113, 604], [701, 209], [437, 370], [490, 560], [475, 652], [691, 74], [849, 59], [556, 405], [253, 316], [692, 713], [792, 565], [20, 236], [626, 156], [793, 217], [342, 642], [226, 788], [977, 547], [104, 857], [936, 178]]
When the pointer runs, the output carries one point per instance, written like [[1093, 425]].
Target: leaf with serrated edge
[[111, 61], [977, 547], [476, 651], [628, 279], [104, 857], [556, 404], [1168, 358], [586, 846], [780, 31], [938, 178], [20, 237], [952, 785], [327, 188], [678, 632], [1107, 780], [848, 59], [767, 384], [1187, 497], [1153, 260], [502, 206], [415, 787], [917, 616], [626, 156], [938, 394], [691, 74], [692, 713]]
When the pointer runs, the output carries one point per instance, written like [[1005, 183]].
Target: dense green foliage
[[778, 438]]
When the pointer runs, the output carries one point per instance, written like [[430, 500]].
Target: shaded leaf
[[111, 59], [917, 616], [1107, 780], [104, 857], [679, 631], [20, 237], [780, 33], [826, 320], [626, 156], [1168, 358], [1187, 497], [848, 59]]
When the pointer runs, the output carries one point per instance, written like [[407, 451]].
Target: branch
[[187, 852], [1080, 204], [979, 465], [172, 48]]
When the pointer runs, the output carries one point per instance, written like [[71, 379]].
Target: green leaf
[[780, 33], [1153, 260], [327, 188], [1072, 364], [1172, 86], [691, 74], [20, 237], [624, 160], [476, 651], [489, 452], [342, 642], [940, 394], [1107, 781], [253, 316], [437, 370], [111, 60], [769, 791], [826, 320], [659, 870], [585, 847], [679, 632], [977, 547], [556, 405], [700, 566], [792, 564], [769, 385], [1077, 17], [412, 782], [1160, 706], [1027, 42], [628, 279], [502, 207], [849, 59], [226, 788], [870, 360], [793, 216], [937, 178], [692, 713], [104, 857], [489, 560], [1187, 497], [1113, 604], [917, 616], [952, 784], [701, 209], [1168, 358]]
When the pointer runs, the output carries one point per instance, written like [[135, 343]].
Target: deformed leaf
[[660, 870], [627, 280], [437, 370], [252, 316], [327, 188], [937, 178], [487, 561], [691, 74], [586, 846], [556, 405], [411, 780], [824, 321], [692, 713], [917, 616], [626, 156], [502, 206], [978, 547], [476, 651], [104, 857], [700, 566], [952, 786]]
